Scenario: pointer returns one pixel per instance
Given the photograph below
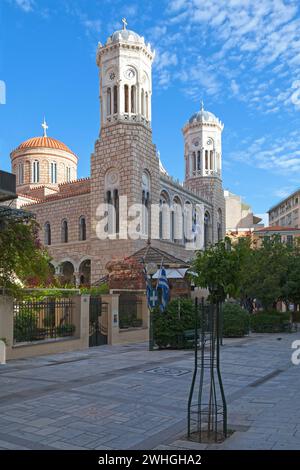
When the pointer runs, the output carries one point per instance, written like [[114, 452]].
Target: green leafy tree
[[22, 257], [218, 268], [264, 271]]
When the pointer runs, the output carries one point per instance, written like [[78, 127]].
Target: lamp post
[[151, 269]]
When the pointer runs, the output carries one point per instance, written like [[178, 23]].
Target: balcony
[[7, 186]]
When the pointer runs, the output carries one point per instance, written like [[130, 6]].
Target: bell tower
[[203, 167], [124, 164], [125, 63]]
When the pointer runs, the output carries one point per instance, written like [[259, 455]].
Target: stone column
[[7, 322]]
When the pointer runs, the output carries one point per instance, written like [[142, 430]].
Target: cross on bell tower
[[124, 21]]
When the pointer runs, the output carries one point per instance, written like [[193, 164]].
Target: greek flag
[[165, 289]]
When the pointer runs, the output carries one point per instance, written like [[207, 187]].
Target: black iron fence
[[41, 320], [130, 311]]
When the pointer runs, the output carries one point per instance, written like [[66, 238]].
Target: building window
[[35, 171], [133, 107], [219, 225], [289, 239], [206, 159], [53, 172], [126, 99], [164, 217], [68, 174], [64, 232], [177, 221], [147, 106], [115, 99], [142, 102], [108, 101], [82, 229], [207, 227], [47, 234], [145, 203], [198, 160], [194, 162], [21, 173]]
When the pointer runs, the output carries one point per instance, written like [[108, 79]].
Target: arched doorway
[[67, 273], [85, 273]]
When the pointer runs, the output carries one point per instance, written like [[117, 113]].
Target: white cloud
[[25, 5], [246, 38]]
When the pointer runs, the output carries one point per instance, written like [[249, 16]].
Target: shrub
[[269, 321], [169, 326], [25, 326], [65, 330], [235, 321]]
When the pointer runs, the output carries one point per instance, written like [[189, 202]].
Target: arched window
[[133, 99], [64, 232], [211, 160], [164, 217], [112, 201], [142, 102], [108, 101], [47, 232], [194, 162], [35, 171], [207, 226], [21, 173], [219, 225], [126, 99], [115, 99], [199, 160], [145, 203], [53, 172], [188, 222], [68, 174], [177, 220], [82, 228], [147, 106], [206, 159]]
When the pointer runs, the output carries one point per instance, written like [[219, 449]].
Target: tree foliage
[[242, 270], [21, 255]]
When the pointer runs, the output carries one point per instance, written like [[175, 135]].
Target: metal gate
[[98, 322]]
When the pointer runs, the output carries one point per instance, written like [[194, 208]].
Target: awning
[[174, 273]]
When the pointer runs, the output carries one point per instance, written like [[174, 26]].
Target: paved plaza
[[125, 397]]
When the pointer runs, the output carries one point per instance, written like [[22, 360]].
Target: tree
[[263, 273], [21, 254], [291, 281], [218, 268]]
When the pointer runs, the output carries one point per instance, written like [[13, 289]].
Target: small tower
[[203, 167], [125, 63]]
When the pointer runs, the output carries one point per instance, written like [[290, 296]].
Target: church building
[[125, 173]]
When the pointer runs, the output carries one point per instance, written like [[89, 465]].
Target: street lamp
[[151, 269]]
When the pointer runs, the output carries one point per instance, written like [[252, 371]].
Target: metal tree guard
[[207, 409]]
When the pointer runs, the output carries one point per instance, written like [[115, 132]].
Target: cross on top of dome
[[45, 127], [124, 21]]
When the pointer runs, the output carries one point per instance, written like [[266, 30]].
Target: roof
[[7, 212], [150, 254], [278, 228], [71, 189], [44, 142]]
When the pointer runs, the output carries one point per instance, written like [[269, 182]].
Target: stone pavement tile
[[190, 445], [82, 439], [41, 422], [66, 446], [10, 446]]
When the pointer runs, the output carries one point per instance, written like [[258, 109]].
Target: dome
[[125, 35], [43, 142], [203, 115]]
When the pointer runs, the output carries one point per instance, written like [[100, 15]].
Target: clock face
[[130, 74], [112, 75], [209, 142], [196, 143]]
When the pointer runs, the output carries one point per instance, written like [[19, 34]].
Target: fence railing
[[41, 320], [130, 311]]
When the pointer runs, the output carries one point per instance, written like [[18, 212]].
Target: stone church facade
[[127, 176]]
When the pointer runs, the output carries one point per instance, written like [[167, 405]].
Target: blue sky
[[242, 57]]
